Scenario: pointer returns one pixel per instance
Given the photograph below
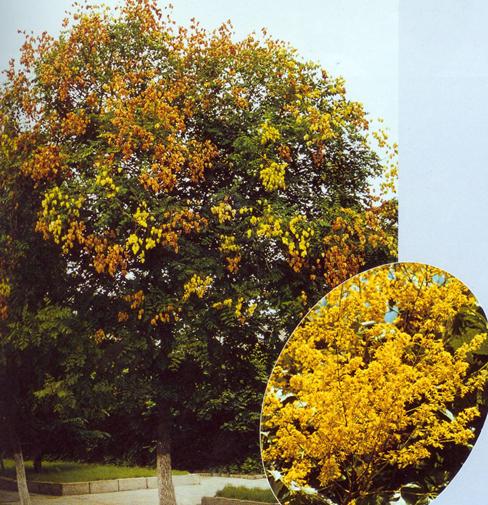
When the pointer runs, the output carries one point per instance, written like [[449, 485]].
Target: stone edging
[[233, 475], [219, 500], [97, 486]]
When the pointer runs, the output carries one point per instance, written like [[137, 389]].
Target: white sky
[[354, 38]]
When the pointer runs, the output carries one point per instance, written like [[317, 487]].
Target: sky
[[443, 110]]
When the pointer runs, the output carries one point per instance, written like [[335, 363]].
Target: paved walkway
[[185, 495]]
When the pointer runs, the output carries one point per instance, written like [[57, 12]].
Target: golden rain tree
[[208, 187], [378, 395]]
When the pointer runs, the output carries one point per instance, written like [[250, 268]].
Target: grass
[[71, 471], [247, 493]]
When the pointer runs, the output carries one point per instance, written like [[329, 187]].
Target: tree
[[27, 279], [380, 391], [47, 391], [24, 287], [207, 188]]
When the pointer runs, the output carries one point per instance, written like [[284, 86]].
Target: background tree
[[47, 361], [207, 188], [380, 392]]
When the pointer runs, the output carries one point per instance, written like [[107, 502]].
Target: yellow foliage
[[272, 175], [223, 211], [268, 133], [141, 216], [240, 312], [196, 285]]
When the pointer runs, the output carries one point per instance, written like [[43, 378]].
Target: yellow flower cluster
[[320, 126], [268, 133], [228, 244], [225, 303], [229, 247], [141, 216], [272, 175], [375, 383], [134, 242], [267, 225], [297, 238], [58, 208], [239, 311], [296, 235], [196, 285], [106, 181], [166, 233], [223, 211]]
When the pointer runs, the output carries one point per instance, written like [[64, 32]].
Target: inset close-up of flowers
[[378, 396]]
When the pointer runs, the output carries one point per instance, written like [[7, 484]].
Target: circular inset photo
[[380, 392]]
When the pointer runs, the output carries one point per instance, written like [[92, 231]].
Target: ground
[[185, 495]]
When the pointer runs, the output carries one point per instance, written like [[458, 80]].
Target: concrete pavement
[[185, 495]]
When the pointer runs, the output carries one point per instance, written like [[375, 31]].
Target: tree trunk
[[20, 472], [38, 462], [2, 464], [163, 459]]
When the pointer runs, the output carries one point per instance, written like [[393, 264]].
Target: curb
[[233, 475], [97, 486], [219, 500]]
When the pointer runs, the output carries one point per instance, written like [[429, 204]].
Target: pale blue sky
[[443, 111]]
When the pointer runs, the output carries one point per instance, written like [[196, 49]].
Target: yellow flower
[[141, 216], [223, 211], [272, 175], [150, 243], [134, 243], [196, 285], [268, 133]]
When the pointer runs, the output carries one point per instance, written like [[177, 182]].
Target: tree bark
[[166, 489], [20, 471]]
